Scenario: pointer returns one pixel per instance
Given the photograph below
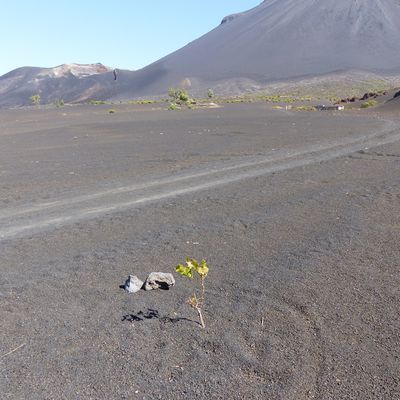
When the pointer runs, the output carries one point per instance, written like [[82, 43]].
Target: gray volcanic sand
[[303, 292]]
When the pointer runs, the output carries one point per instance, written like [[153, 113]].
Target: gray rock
[[159, 280], [133, 284]]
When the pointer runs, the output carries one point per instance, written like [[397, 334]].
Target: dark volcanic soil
[[303, 292]]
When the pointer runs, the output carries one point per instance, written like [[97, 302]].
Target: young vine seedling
[[201, 269]]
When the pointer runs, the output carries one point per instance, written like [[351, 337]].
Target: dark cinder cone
[[284, 39]]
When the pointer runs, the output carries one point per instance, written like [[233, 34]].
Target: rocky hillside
[[70, 82]]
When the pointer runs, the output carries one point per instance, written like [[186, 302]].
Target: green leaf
[[191, 263], [185, 271], [202, 269]]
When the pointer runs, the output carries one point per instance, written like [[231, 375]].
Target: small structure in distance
[[323, 107]]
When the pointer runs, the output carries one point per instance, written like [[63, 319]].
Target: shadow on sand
[[142, 316]]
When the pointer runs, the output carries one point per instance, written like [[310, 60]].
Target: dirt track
[[303, 295]]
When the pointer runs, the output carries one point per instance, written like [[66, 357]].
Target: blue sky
[[125, 34]]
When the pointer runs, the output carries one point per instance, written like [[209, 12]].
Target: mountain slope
[[393, 104], [70, 82], [277, 41], [280, 40]]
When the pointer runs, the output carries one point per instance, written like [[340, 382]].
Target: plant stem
[[203, 290], [203, 325]]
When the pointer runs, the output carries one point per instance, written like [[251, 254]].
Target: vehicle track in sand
[[27, 220]]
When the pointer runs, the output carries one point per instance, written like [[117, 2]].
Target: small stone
[[133, 284], [159, 280]]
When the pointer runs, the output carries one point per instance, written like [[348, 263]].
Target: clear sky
[[119, 33]]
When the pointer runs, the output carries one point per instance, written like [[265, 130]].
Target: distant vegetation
[[278, 98], [173, 107], [179, 98], [96, 102], [59, 103], [100, 102], [35, 99], [112, 111], [300, 98], [304, 108], [369, 103], [141, 102]]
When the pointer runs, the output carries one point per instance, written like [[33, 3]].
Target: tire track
[[16, 222]]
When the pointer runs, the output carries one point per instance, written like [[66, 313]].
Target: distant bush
[[173, 107], [35, 99], [142, 101], [210, 93], [369, 103], [112, 111], [239, 100], [59, 103], [179, 98]]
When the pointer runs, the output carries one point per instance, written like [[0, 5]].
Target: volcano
[[282, 40], [277, 41]]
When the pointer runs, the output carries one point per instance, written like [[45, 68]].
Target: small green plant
[[35, 99], [173, 107], [201, 269], [179, 98], [369, 103], [210, 93], [111, 111], [59, 103]]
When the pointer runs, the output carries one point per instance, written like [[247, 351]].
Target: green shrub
[[173, 107], [369, 103], [59, 103], [35, 99], [178, 96], [111, 111]]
